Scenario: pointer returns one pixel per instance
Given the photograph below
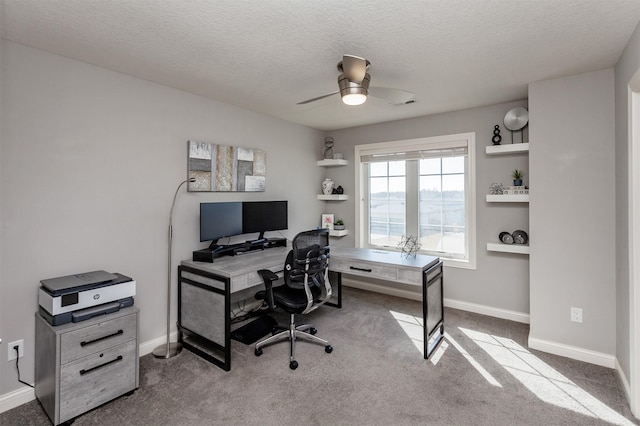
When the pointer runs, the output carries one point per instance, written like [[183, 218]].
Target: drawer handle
[[83, 371], [360, 269], [117, 333]]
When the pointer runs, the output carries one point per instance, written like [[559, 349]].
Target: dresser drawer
[[364, 269], [96, 379], [88, 340]]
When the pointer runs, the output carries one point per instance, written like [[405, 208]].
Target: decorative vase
[[327, 186], [517, 182]]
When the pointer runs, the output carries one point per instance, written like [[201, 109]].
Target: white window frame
[[410, 145]]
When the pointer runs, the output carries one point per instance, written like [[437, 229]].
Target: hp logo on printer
[[96, 296]]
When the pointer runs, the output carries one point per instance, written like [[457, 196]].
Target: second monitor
[[222, 220], [263, 216]]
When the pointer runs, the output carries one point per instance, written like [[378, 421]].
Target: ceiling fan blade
[[354, 68], [393, 96], [317, 99]]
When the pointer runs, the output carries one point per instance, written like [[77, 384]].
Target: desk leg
[[338, 282], [204, 315], [432, 308]]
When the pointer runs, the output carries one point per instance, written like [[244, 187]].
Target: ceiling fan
[[353, 84]]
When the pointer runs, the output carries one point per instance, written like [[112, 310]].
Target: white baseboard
[[489, 311], [449, 303], [148, 346], [573, 352], [16, 398], [25, 394], [623, 379]]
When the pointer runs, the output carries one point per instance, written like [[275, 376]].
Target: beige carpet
[[482, 374]]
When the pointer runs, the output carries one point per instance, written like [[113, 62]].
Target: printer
[[82, 296]]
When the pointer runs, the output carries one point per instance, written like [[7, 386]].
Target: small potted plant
[[339, 225], [517, 176]]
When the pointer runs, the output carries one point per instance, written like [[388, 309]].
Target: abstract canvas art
[[224, 168]]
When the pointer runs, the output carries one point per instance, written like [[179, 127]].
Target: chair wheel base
[[293, 365], [258, 352], [328, 349]]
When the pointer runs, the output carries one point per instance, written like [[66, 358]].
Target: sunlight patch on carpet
[[412, 326], [483, 372], [545, 382]]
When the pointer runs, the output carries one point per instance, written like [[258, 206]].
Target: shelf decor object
[[496, 139], [409, 246], [496, 189], [327, 220], [515, 190], [327, 186], [517, 176], [516, 119], [327, 152], [170, 349]]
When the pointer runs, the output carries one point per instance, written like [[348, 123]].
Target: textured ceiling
[[267, 55]]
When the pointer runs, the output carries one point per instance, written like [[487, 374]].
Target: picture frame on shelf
[[327, 221]]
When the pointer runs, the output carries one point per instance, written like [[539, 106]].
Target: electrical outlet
[[576, 315], [12, 351]]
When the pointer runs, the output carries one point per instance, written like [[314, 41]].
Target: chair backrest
[[307, 266]]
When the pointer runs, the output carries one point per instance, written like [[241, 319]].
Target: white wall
[[500, 281], [89, 162], [626, 67], [572, 211]]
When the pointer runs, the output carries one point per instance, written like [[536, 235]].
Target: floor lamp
[[170, 349]]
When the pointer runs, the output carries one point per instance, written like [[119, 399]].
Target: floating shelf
[[508, 248], [514, 148], [341, 233], [519, 198], [332, 163], [333, 197]]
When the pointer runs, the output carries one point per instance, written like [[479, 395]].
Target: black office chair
[[306, 287]]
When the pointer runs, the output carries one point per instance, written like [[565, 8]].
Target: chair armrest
[[269, 277]]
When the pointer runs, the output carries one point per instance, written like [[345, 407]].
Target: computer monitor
[[262, 216], [219, 220]]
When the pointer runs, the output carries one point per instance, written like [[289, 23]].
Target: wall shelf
[[514, 148], [332, 163], [518, 198], [341, 233], [333, 197], [508, 248]]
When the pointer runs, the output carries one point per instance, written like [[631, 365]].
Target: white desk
[[205, 289]]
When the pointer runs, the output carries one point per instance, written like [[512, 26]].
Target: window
[[419, 187]]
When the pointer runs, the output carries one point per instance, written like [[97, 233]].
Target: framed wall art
[[225, 168]]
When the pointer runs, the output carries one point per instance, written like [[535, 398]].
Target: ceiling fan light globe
[[354, 98], [353, 93]]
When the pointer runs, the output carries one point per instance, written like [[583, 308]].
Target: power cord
[[17, 349]]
